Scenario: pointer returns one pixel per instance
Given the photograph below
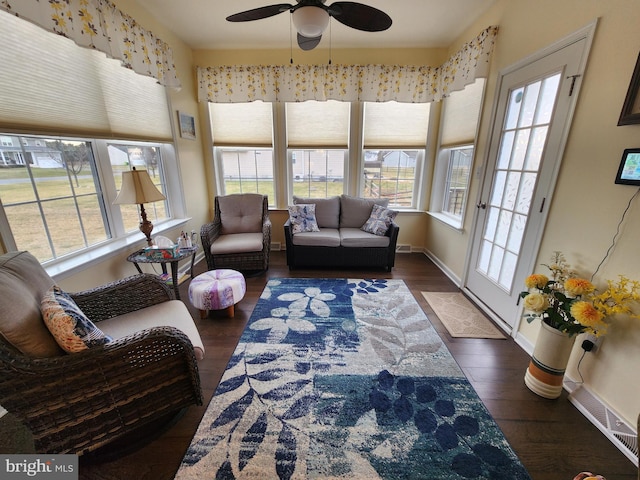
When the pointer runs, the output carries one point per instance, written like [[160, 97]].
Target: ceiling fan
[[311, 17]]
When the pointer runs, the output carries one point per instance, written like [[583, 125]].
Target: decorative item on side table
[[568, 305], [146, 255], [138, 188]]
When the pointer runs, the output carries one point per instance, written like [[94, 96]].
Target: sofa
[[81, 370], [333, 233]]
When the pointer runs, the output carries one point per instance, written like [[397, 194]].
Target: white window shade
[[48, 84], [246, 124], [393, 124], [318, 124], [461, 112]]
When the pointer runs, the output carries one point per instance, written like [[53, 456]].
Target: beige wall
[[587, 205]]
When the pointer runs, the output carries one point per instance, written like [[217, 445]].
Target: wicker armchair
[[78, 402], [239, 237]]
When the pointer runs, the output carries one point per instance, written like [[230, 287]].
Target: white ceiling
[[416, 24]]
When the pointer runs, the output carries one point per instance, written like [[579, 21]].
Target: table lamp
[[138, 188]]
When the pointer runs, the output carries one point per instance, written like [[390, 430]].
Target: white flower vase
[[545, 373]]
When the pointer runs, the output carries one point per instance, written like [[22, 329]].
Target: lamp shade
[[310, 21], [137, 188]]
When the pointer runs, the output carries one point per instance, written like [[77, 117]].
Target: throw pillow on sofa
[[303, 218], [354, 211], [379, 221], [70, 327]]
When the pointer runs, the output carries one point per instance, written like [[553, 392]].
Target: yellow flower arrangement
[[572, 304]]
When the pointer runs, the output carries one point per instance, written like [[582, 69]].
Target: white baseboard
[[453, 277]]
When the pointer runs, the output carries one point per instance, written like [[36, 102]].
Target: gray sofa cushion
[[354, 237], [327, 210], [326, 237], [354, 211]]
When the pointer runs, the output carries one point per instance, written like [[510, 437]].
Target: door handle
[[481, 205]]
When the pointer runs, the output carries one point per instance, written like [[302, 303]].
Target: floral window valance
[[98, 24], [370, 83]]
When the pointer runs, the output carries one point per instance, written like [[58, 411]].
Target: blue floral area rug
[[345, 378]]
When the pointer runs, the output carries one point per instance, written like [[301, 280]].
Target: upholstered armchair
[[239, 237], [142, 368]]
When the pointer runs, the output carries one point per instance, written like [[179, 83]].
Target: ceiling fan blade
[[306, 43], [259, 13], [360, 16]]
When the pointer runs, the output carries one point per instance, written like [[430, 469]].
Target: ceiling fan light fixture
[[310, 21]]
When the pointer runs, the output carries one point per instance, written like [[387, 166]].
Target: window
[[317, 173], [122, 158], [317, 147], [57, 203], [454, 162], [58, 181], [394, 140], [243, 147], [458, 176], [246, 171]]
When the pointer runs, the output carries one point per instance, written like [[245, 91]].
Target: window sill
[[69, 265], [454, 223]]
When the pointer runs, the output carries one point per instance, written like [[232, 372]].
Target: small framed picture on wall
[[631, 109], [187, 125]]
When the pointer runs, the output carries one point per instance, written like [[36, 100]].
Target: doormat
[[460, 317], [345, 378]]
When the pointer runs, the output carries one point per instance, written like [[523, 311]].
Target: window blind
[[393, 124], [318, 124], [48, 84], [242, 124], [461, 112]]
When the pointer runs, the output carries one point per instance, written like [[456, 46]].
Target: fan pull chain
[[330, 37], [291, 39]]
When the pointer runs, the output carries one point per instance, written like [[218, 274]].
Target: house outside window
[[246, 170], [59, 176], [394, 141], [317, 173], [57, 203], [243, 148], [317, 135]]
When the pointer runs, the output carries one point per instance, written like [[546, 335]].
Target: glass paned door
[[521, 145], [533, 112]]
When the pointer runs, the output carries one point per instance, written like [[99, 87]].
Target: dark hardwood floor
[[553, 439]]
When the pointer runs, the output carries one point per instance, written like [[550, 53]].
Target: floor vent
[[405, 248], [621, 434], [276, 246]]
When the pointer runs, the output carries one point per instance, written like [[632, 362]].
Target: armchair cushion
[[173, 313], [71, 328], [241, 213], [237, 243], [21, 323]]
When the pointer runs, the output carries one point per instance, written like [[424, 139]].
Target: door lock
[[481, 205]]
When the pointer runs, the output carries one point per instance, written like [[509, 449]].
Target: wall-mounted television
[[629, 169]]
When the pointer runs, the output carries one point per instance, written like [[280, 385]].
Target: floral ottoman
[[217, 290]]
